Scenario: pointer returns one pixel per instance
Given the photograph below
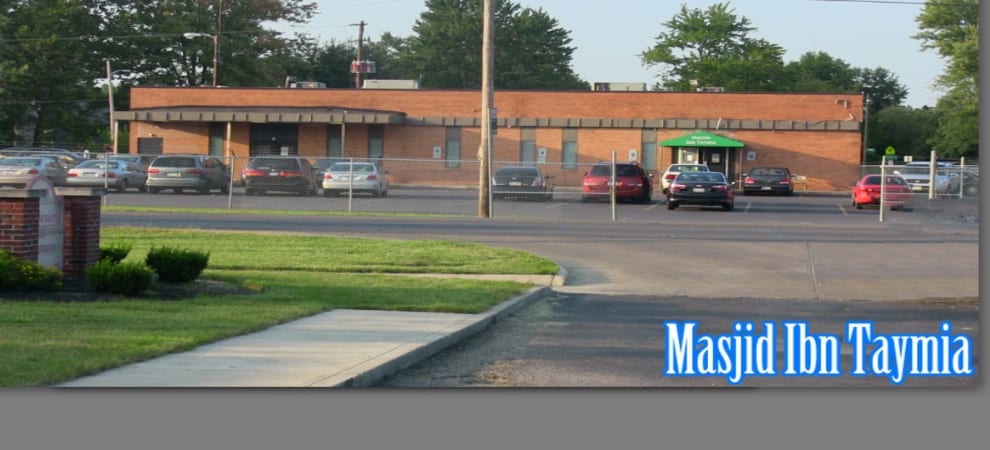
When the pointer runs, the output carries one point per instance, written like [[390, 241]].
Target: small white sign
[[437, 152], [751, 156], [541, 155], [633, 155]]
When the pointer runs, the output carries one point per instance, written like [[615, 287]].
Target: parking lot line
[[648, 208], [842, 208], [748, 204], [555, 205]]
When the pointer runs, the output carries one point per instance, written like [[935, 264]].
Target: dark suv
[[280, 174], [524, 182], [631, 182], [201, 173]]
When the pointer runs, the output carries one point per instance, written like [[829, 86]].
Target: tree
[[531, 50], [952, 30], [905, 128], [714, 47]]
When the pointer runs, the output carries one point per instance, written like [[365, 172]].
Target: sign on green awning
[[701, 139]]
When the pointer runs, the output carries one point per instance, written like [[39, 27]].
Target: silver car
[[117, 175], [200, 173], [18, 171], [361, 177]]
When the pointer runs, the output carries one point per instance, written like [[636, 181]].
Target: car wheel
[[122, 187], [745, 192], [971, 190], [203, 190], [249, 192], [671, 205], [143, 188], [329, 193], [728, 206], [895, 208], [152, 190], [585, 199], [225, 189]]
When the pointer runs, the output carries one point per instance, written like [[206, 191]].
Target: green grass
[[267, 212], [47, 341]]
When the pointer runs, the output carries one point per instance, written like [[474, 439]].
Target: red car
[[867, 191], [631, 182]]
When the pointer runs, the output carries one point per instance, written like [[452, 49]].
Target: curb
[[477, 323]]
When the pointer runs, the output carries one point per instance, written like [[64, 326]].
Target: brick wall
[[19, 226], [81, 239]]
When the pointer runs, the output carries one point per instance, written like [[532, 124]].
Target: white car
[[917, 174], [361, 177], [675, 169], [114, 174]]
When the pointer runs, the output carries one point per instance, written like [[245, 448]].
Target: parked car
[[674, 169], [867, 191], [201, 173], [361, 177], [142, 162], [526, 182], [280, 174], [950, 185], [918, 173], [631, 182], [322, 164], [117, 175], [18, 171], [775, 180], [702, 189]]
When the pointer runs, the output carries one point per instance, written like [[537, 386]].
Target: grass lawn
[[266, 280]]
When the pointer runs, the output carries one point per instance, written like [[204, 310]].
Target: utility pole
[[487, 100], [216, 43], [360, 46]]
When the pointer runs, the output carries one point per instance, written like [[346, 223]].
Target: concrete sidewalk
[[339, 348]]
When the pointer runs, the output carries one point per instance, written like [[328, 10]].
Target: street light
[[113, 124], [216, 50]]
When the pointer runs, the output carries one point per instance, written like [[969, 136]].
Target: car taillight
[[670, 177], [194, 171], [785, 181], [327, 176], [252, 173], [677, 186], [153, 170], [72, 173], [720, 188], [32, 172], [372, 177], [537, 182], [111, 175], [290, 173], [749, 180]]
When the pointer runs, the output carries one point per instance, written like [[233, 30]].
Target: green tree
[[531, 50], [952, 30], [905, 128], [714, 47]]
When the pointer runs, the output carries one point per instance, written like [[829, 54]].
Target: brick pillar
[[81, 239], [19, 215]]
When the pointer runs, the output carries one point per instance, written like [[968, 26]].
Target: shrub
[[129, 278], [115, 253], [175, 265], [20, 274]]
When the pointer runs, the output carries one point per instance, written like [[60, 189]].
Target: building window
[[452, 144], [335, 141], [376, 141], [218, 131], [279, 139], [649, 150], [527, 145], [569, 149]]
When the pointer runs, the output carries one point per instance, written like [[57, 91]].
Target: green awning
[[701, 139]]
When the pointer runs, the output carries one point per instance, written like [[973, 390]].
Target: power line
[[891, 2]]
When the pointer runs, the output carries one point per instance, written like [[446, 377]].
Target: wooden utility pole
[[360, 47], [487, 104]]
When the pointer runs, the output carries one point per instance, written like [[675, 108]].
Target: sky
[[609, 36]]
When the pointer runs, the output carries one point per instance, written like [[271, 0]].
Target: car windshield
[[274, 164], [19, 162], [621, 170], [174, 162], [517, 172], [97, 164], [688, 168], [875, 180], [346, 167], [763, 171], [701, 177]]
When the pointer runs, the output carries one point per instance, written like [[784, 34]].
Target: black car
[[525, 182], [702, 189], [280, 174], [775, 180]]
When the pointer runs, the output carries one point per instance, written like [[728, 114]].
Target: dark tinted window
[[174, 161], [274, 164], [517, 172]]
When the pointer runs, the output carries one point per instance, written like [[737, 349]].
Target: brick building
[[818, 136]]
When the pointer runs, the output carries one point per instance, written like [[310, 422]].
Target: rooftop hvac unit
[[711, 89], [606, 87], [390, 84], [308, 85]]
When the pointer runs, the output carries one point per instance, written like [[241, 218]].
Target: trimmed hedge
[[115, 253], [18, 274], [128, 278], [176, 265]]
